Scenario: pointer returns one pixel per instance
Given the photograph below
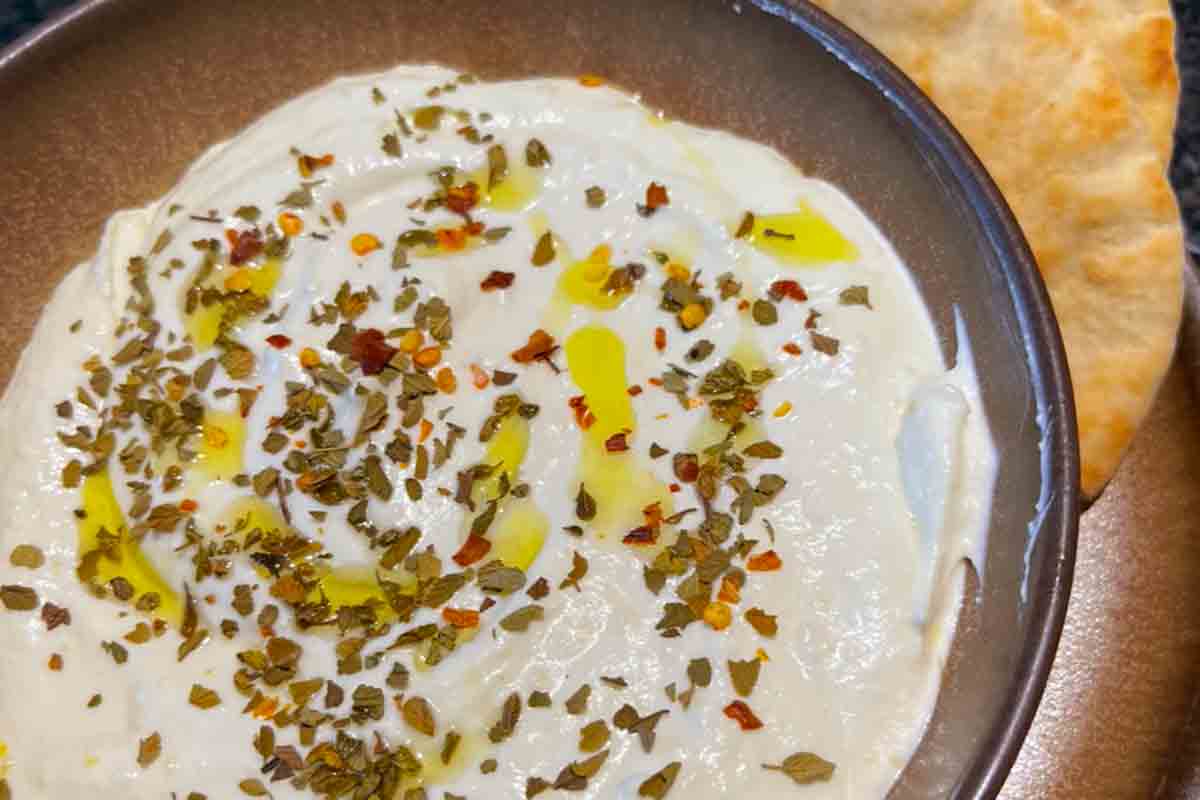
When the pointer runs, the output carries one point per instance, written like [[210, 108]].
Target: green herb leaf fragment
[[804, 768]]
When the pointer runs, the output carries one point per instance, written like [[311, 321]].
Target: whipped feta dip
[[485, 440]]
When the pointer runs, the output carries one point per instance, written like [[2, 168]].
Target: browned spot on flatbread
[[1071, 106]]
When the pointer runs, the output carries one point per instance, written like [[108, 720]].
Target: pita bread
[[1071, 106]]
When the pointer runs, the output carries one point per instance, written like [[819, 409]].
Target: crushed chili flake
[[792, 349], [309, 358], [743, 305], [743, 716], [446, 381], [426, 429], [461, 617], [452, 238], [428, 357], [540, 346], [617, 443], [339, 211], [278, 341], [310, 164], [486, 604], [674, 487], [660, 339], [497, 279], [55, 663], [290, 224], [472, 550], [765, 562], [479, 378], [591, 81], [371, 351], [245, 246], [656, 196], [654, 381], [188, 506], [634, 391], [461, 199], [583, 415], [789, 289], [364, 243]]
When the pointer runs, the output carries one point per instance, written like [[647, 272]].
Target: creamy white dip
[[886, 455]]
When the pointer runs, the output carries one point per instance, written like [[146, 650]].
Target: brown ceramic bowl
[[105, 106]]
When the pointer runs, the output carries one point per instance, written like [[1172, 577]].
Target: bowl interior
[[105, 110]]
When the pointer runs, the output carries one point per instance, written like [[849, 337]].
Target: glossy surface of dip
[[347, 393]]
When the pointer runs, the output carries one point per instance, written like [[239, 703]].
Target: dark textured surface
[[1185, 169], [18, 16]]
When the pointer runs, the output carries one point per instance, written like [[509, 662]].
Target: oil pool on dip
[[444, 438]]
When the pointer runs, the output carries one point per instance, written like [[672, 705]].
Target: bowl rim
[[994, 757]]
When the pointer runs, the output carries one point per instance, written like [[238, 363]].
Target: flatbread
[[1071, 106]]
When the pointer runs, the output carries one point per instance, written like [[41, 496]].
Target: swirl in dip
[[437, 438]]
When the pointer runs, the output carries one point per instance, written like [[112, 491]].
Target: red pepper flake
[[461, 199], [791, 348], [583, 415], [789, 289], [310, 164], [472, 550], [765, 562], [743, 305], [688, 470], [245, 245], [188, 506], [486, 604], [660, 339], [461, 617], [540, 346], [497, 280], [655, 381], [451, 238], [617, 443], [370, 350], [674, 487], [634, 391], [741, 713], [656, 196], [278, 341], [641, 536], [55, 663]]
